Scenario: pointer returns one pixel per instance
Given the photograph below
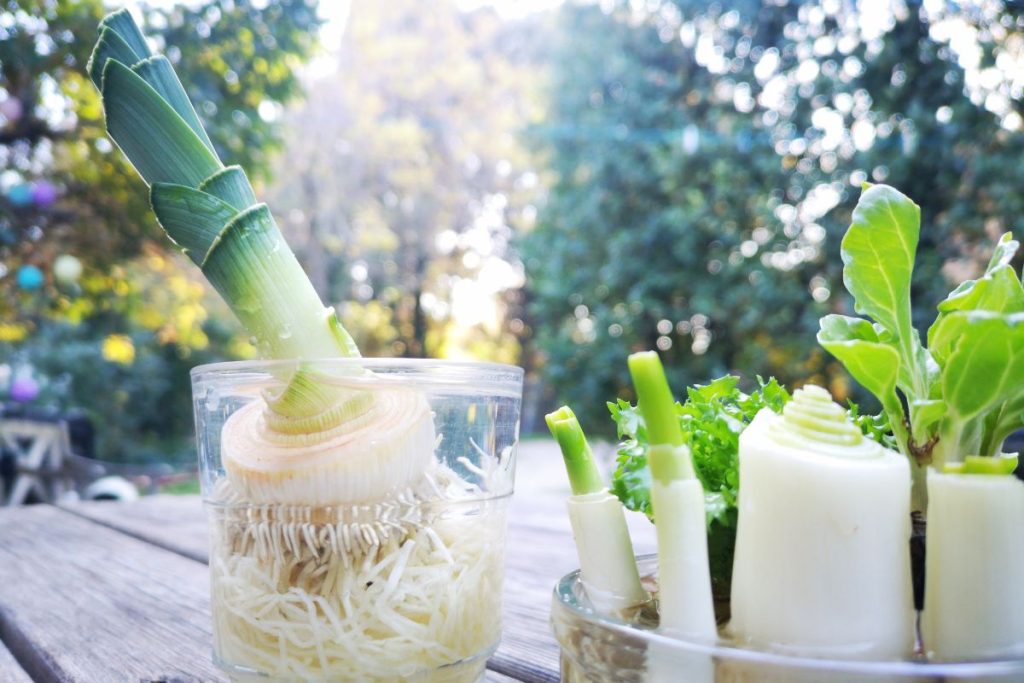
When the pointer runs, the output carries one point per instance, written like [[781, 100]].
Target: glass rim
[[565, 598], [456, 367], [488, 498]]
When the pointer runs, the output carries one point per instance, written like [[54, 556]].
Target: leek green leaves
[[208, 210]]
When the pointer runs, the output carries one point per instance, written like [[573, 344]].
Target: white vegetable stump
[[822, 565], [973, 604]]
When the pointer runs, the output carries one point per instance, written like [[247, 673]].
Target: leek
[[607, 566], [210, 211], [325, 476], [207, 209]]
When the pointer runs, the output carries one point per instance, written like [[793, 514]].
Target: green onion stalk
[[685, 604], [607, 567]]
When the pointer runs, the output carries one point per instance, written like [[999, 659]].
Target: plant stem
[[667, 461], [584, 475], [677, 500]]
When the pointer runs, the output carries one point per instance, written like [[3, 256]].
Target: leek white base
[[822, 563], [607, 567], [973, 603], [364, 459]]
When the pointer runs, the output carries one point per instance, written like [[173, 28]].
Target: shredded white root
[[374, 592]]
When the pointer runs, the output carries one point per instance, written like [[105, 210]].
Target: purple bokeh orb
[[11, 108], [24, 389], [44, 193]]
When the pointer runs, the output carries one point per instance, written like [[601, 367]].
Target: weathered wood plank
[[80, 602], [11, 671], [176, 523]]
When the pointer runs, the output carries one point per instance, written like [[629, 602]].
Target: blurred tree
[[91, 295], [403, 198], [706, 159]]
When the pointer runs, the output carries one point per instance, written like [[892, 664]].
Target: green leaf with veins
[[998, 289], [878, 259], [860, 347], [986, 366]]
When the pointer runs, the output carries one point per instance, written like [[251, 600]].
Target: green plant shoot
[[963, 394]]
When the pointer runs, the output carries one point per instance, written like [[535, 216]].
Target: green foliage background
[[674, 175], [705, 162]]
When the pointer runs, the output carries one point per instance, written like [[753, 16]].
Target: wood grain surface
[[80, 602], [174, 523]]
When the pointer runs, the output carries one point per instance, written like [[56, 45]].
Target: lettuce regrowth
[[963, 393]]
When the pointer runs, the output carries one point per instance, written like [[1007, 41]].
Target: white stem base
[[973, 604], [822, 564], [607, 566], [670, 665], [685, 605]]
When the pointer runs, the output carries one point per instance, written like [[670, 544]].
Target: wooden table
[[108, 592]]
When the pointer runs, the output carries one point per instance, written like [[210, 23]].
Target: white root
[[359, 593]]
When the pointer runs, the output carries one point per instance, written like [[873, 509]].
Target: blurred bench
[[43, 468], [38, 449]]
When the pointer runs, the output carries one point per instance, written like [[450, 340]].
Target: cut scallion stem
[[655, 399], [607, 565], [686, 606], [584, 476]]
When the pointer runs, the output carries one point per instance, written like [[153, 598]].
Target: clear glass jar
[[602, 647], [373, 549]]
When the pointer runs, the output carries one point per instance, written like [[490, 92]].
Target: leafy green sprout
[[963, 394]]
